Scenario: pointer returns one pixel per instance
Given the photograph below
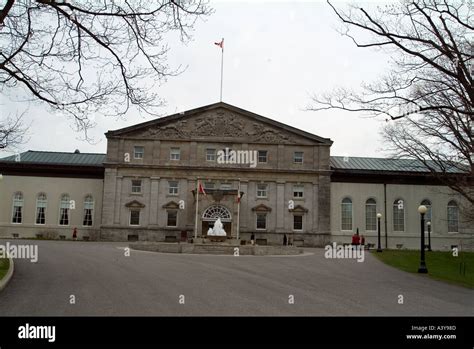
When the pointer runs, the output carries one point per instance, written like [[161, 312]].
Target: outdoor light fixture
[[422, 269], [379, 247]]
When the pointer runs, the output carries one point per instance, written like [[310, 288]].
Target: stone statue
[[217, 230]]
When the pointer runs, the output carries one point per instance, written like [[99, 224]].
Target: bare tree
[[87, 56], [427, 96], [12, 131]]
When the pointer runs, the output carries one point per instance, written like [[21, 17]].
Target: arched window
[[64, 207], [428, 214], [88, 210], [41, 203], [17, 216], [346, 214], [371, 215], [216, 211], [453, 217], [399, 215]]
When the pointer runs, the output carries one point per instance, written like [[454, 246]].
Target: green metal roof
[[382, 164], [57, 158]]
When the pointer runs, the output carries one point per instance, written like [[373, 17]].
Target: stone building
[[259, 176]]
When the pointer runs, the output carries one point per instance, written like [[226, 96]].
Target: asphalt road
[[106, 282]]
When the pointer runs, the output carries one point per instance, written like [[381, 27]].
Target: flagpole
[[238, 212], [197, 205], [222, 65]]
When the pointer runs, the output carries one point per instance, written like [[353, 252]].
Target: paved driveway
[[106, 282]]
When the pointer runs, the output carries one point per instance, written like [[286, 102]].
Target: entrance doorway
[[211, 214]]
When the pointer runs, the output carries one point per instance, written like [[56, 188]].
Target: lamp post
[[422, 269], [429, 235], [379, 247]]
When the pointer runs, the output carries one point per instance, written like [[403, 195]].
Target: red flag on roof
[[220, 44]]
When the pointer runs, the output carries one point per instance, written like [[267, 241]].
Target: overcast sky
[[276, 55]]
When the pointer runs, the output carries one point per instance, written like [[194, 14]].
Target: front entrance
[[226, 225], [211, 214]]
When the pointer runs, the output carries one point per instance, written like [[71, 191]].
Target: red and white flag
[[201, 189], [220, 44], [238, 194]]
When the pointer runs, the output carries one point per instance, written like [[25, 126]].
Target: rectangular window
[[209, 185], [173, 188], [262, 156], [17, 214], [298, 157], [210, 154], [297, 222], [138, 152], [175, 154], [453, 219], [41, 215], [87, 217], [371, 217], [261, 190], [226, 186], [136, 186], [134, 217], [64, 216], [298, 191], [261, 221], [172, 220], [398, 218]]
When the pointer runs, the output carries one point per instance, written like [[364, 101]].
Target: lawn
[[441, 265], [4, 264]]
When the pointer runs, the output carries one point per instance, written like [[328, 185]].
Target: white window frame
[[175, 154], [372, 205], [130, 217], [265, 156], [211, 154], [295, 157], [395, 203], [302, 222], [91, 205], [136, 186], [301, 186], [68, 209], [264, 214], [43, 202], [457, 213], [21, 203], [138, 155], [172, 188], [259, 190], [167, 218], [351, 203]]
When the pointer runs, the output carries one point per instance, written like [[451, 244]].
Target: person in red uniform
[[355, 239]]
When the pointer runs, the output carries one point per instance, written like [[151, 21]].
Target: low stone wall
[[216, 249]]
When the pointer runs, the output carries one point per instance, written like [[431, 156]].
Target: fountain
[[218, 229]]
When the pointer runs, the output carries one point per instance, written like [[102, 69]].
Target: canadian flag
[[238, 197], [220, 44], [201, 189]]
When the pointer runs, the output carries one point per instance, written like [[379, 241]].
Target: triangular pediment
[[172, 205], [134, 204], [299, 209], [219, 122], [262, 208]]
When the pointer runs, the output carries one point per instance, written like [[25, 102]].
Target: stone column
[[315, 204], [108, 202], [281, 204], [118, 200], [324, 204], [154, 192]]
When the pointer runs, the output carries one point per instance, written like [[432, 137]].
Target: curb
[[4, 282]]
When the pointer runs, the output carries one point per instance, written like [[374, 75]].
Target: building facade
[[161, 179]]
